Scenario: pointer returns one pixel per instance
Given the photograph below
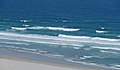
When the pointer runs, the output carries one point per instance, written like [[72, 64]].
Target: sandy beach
[[17, 64], [6, 64]]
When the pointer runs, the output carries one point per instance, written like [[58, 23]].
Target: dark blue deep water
[[80, 31]]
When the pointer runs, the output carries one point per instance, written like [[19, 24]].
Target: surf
[[60, 39], [54, 28]]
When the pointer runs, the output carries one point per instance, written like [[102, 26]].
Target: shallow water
[[88, 33]]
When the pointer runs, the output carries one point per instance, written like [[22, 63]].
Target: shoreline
[[32, 64], [7, 64], [36, 60]]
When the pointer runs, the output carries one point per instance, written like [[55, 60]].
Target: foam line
[[98, 31], [60, 40], [54, 28], [106, 48], [16, 28]]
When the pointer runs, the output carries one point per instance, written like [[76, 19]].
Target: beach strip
[[21, 64]]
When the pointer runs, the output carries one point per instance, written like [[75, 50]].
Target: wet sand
[[23, 64]]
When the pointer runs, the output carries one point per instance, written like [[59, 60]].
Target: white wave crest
[[68, 36], [86, 37], [103, 51], [98, 31], [76, 47], [19, 43], [117, 66], [102, 28], [16, 28], [25, 21], [88, 56], [86, 63], [27, 49], [118, 35], [106, 48], [105, 39], [60, 40], [54, 28], [26, 25]]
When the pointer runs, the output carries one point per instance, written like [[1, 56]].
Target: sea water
[[80, 31]]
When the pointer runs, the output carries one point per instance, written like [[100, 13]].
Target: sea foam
[[53, 28], [111, 52], [106, 48], [58, 40], [69, 36], [98, 31], [17, 28], [19, 43]]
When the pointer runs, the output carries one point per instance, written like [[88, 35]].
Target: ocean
[[81, 31]]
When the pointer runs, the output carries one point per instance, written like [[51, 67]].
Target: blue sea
[[81, 31]]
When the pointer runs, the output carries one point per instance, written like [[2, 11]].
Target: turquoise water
[[79, 32]]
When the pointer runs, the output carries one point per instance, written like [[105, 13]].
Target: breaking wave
[[19, 43], [86, 37], [60, 39], [98, 31], [75, 42], [93, 64], [45, 28], [68, 36], [16, 28], [53, 28], [106, 48], [103, 51]]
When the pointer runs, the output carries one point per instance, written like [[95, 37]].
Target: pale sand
[[8, 64]]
